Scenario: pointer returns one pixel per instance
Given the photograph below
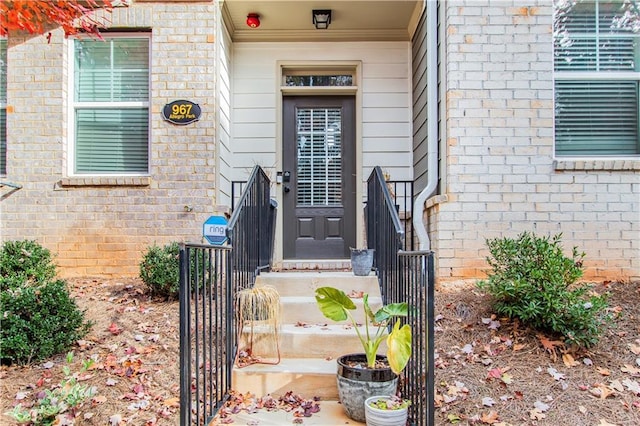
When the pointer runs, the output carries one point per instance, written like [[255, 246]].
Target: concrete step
[[305, 309], [331, 414], [316, 265], [313, 340], [309, 342], [304, 376], [306, 283]]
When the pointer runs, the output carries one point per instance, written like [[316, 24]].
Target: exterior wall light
[[321, 19], [253, 20]]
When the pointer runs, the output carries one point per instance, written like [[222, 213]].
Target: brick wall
[[501, 177], [103, 226]]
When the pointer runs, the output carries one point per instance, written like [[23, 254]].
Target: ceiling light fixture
[[321, 19]]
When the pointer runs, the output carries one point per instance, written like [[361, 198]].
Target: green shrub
[[39, 320], [532, 280], [160, 270], [25, 260], [39, 317]]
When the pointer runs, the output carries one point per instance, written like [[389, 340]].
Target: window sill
[[597, 165], [105, 181]]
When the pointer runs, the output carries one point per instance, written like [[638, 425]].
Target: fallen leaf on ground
[[99, 399], [488, 401], [569, 361], [491, 323], [467, 349], [541, 406], [550, 345], [536, 414], [616, 386], [554, 373], [172, 402], [506, 378], [603, 371], [632, 385], [453, 418], [114, 329], [601, 391], [630, 369], [489, 418], [115, 420]]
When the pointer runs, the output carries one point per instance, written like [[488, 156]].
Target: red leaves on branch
[[39, 16]]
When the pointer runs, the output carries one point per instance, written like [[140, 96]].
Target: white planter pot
[[377, 417]]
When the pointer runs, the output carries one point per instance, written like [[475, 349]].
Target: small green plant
[[533, 280], [39, 317], [160, 270], [336, 306], [58, 405]]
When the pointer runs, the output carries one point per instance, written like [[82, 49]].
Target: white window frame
[[73, 105], [592, 76]]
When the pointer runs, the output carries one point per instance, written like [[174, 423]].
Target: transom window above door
[[319, 80], [334, 77]]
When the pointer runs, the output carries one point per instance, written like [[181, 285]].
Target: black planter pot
[[356, 384]]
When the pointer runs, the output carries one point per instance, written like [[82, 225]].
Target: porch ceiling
[[351, 20]]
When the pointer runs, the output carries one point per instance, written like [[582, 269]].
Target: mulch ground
[[493, 371], [488, 370]]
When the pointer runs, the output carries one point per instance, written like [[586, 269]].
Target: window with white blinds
[[3, 106], [597, 75], [111, 105], [319, 169]]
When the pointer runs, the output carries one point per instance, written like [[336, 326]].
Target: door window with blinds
[[596, 77], [319, 145], [111, 105]]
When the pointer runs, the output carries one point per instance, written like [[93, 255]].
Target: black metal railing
[[405, 276], [385, 233], [251, 229], [417, 283], [236, 192], [401, 192], [207, 340], [210, 277]]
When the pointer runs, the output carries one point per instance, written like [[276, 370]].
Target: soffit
[[351, 20]]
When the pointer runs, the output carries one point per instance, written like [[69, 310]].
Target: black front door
[[319, 179]]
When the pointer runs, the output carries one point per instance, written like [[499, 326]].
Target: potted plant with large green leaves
[[363, 375]]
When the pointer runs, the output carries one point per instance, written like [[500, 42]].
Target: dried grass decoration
[[258, 325]]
